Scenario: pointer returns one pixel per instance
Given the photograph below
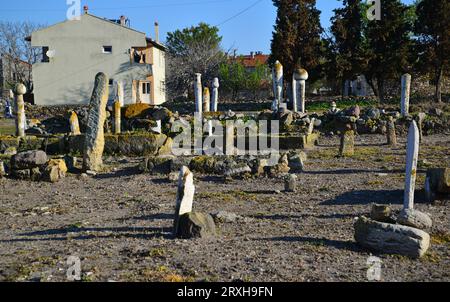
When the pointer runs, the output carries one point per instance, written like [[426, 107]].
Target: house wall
[[69, 76], [159, 76]]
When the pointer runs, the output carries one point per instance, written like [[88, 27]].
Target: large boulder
[[382, 213], [196, 225], [415, 219], [439, 180], [28, 160], [391, 238], [55, 170], [136, 110]]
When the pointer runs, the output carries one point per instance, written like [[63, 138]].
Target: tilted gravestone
[[95, 140], [185, 195]]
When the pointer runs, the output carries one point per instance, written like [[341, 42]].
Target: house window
[[45, 58], [146, 88], [111, 82], [107, 49]]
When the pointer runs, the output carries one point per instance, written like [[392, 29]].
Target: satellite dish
[[51, 53]]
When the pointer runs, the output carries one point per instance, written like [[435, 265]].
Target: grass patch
[[7, 127], [440, 238], [326, 105], [228, 196]]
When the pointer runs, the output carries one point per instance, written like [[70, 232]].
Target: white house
[[74, 51]]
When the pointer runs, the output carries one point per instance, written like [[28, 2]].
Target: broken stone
[[415, 219], [2, 169], [185, 196], [297, 161], [28, 160], [196, 225], [24, 174], [95, 140], [290, 183], [35, 174], [391, 238], [439, 180], [347, 146], [237, 170], [225, 217], [381, 213], [55, 170], [390, 132]]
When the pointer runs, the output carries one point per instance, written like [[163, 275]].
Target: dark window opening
[[45, 58], [107, 49]]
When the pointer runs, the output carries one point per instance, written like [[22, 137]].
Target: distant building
[[12, 70], [251, 61], [74, 51]]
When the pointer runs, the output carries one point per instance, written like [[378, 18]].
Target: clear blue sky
[[246, 30]]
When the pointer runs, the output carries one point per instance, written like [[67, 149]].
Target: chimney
[[86, 9], [157, 32], [252, 54], [123, 20]]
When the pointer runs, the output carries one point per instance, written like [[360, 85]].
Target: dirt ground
[[119, 223]]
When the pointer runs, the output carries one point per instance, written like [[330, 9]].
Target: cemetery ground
[[119, 222]]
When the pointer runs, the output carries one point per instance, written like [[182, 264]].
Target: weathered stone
[[439, 180], [196, 225], [277, 84], [415, 219], [24, 174], [185, 197], [28, 160], [259, 166], [19, 91], [390, 132], [10, 151], [406, 89], [238, 170], [35, 174], [2, 169], [117, 117], [381, 213], [95, 141], [74, 124], [206, 100], [215, 95], [354, 111], [198, 93], [287, 119], [55, 170], [166, 149], [347, 146], [278, 170], [297, 161], [71, 162], [136, 110], [412, 155], [391, 238], [225, 217], [290, 183], [203, 164]]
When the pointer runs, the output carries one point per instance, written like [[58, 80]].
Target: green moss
[[203, 164]]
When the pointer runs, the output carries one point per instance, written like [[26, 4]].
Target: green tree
[[389, 44], [232, 76], [348, 48], [297, 36], [432, 29], [192, 50]]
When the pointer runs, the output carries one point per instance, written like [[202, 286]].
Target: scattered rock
[[10, 151], [290, 183], [28, 160], [297, 161], [415, 219], [391, 238], [381, 213], [225, 217], [2, 169], [196, 225], [55, 170]]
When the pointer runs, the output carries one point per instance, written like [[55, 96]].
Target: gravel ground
[[119, 223]]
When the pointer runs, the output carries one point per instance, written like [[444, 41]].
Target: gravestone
[[347, 146], [95, 140], [406, 89], [185, 195], [290, 183], [215, 95], [278, 85], [198, 93], [412, 154], [74, 124], [117, 117], [229, 138], [391, 134], [206, 100], [20, 90], [301, 75]]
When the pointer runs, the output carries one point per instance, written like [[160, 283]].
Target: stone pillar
[[412, 154], [290, 183], [20, 90], [294, 94], [185, 195], [215, 95], [120, 93], [206, 100], [117, 117], [347, 147], [74, 124], [406, 89], [420, 118], [95, 140], [278, 85], [198, 93], [229, 138], [301, 75], [311, 126], [390, 133]]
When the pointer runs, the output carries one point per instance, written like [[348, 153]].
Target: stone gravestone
[[20, 90], [406, 89], [409, 216], [185, 195], [74, 124], [206, 100], [278, 85], [347, 145], [215, 95], [117, 117], [198, 93], [301, 75], [95, 140], [391, 134]]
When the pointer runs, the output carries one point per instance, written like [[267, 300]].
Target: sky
[[246, 25]]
